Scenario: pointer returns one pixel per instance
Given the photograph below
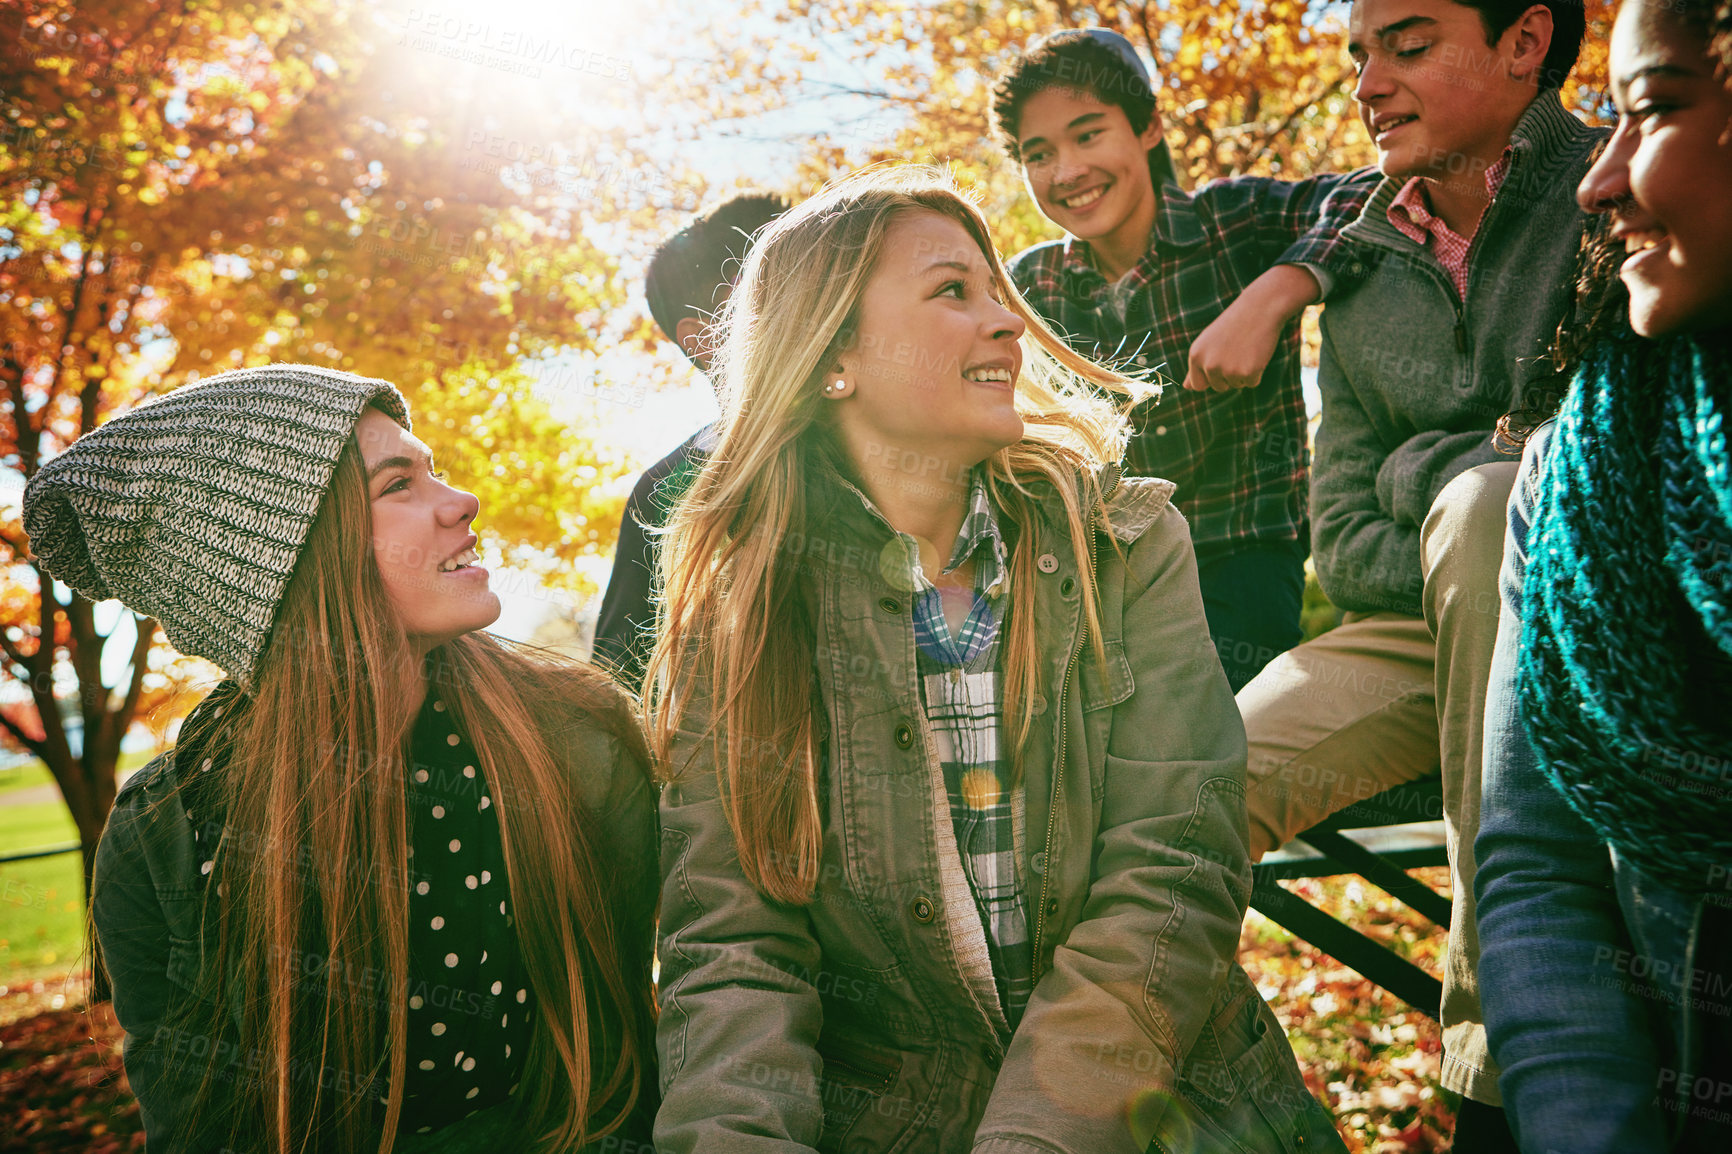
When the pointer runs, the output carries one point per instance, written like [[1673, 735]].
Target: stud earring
[[835, 386]]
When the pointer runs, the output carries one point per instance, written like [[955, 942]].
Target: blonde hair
[[737, 628], [314, 861]]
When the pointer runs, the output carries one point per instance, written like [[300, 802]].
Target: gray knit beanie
[[193, 507]]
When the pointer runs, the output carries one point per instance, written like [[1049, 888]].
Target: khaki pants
[[1386, 698]]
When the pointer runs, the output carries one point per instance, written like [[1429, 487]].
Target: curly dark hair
[[1600, 308], [1720, 40]]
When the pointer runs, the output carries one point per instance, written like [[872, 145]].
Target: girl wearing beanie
[[954, 835], [392, 890], [1605, 844]]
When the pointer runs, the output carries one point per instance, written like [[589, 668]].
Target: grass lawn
[[24, 777], [41, 901]]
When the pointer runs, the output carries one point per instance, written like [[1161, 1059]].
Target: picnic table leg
[[1348, 946]]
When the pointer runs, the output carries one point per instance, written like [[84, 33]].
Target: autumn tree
[[189, 186], [1247, 87]]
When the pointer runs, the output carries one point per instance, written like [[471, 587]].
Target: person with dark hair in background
[[1471, 239], [1207, 288], [689, 280], [1605, 843]]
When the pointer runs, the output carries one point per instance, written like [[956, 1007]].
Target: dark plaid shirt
[[1239, 457]]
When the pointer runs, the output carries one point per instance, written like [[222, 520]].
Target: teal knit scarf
[[1628, 606]]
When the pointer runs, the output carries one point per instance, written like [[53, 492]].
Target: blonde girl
[[954, 838]]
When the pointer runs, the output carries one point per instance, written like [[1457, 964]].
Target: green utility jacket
[[867, 1021], [148, 907]]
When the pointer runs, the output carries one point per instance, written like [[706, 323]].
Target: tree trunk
[[86, 779], [89, 802]]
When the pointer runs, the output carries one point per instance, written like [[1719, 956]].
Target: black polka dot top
[[470, 1012], [470, 1006]]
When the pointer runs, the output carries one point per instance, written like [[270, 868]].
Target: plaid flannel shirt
[[1238, 458], [961, 687]]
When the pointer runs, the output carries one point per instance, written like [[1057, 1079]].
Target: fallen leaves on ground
[[60, 1074], [1368, 1057]]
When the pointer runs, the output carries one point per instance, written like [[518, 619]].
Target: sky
[[602, 61], [644, 404]]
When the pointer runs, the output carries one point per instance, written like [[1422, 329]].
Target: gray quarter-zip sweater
[[1414, 377]]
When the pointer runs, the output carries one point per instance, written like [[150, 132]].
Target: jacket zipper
[[1460, 301], [1058, 774], [1461, 341]]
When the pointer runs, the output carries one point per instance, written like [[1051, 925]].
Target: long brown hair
[[736, 623], [312, 873]]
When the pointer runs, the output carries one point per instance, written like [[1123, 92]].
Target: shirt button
[[1046, 563], [1037, 863], [1160, 430], [904, 736], [1039, 705], [922, 910]]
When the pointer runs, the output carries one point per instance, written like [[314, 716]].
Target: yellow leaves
[[1254, 88], [255, 257]]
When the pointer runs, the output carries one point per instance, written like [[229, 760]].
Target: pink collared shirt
[[1410, 212]]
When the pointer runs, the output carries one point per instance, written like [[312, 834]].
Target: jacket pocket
[[184, 968], [1102, 686], [1105, 685], [854, 1080], [1240, 1088], [1184, 1129], [1207, 1075]]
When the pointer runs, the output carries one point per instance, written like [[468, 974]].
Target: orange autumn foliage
[[189, 187], [1245, 88]]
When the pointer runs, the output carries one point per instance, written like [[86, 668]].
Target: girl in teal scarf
[[1605, 846]]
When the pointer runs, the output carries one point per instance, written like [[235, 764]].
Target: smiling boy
[[1204, 288], [1471, 240]]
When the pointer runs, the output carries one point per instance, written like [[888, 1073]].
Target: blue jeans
[[1252, 595], [1607, 996]]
